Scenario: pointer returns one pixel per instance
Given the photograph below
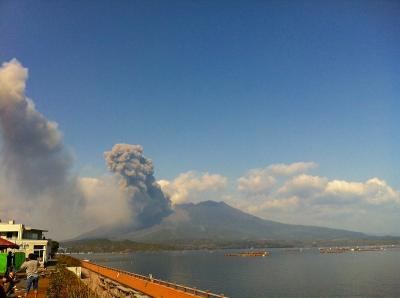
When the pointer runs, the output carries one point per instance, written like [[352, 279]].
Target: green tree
[[54, 248]]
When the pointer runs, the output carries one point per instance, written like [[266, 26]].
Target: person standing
[[10, 262], [31, 266]]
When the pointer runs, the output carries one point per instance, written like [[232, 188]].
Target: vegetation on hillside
[[54, 248], [105, 245]]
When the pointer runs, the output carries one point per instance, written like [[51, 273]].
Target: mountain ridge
[[218, 221]]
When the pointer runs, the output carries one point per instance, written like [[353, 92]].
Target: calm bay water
[[283, 274]]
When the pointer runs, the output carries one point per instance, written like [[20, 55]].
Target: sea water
[[285, 273]]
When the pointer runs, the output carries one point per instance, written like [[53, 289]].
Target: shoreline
[[126, 251]]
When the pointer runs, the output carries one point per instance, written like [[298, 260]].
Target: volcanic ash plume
[[34, 161], [32, 148], [136, 177]]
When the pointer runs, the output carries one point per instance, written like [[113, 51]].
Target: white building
[[29, 240]]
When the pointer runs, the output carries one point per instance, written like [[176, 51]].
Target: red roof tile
[[7, 244]]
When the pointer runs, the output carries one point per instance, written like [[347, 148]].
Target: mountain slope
[[218, 221]]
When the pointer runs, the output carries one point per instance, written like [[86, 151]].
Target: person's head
[[9, 253], [31, 257]]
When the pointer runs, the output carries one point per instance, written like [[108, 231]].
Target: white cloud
[[256, 181], [304, 186], [377, 191], [373, 191], [192, 186], [275, 203], [344, 189], [285, 193], [290, 169]]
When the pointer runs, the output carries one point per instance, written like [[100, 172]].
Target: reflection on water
[[286, 273]]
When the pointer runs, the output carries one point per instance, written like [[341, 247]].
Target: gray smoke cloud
[[32, 147], [34, 161], [148, 203], [37, 187]]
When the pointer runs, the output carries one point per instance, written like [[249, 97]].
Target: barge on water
[[248, 254], [338, 250]]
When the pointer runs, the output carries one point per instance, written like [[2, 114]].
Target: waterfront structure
[[110, 278], [28, 239]]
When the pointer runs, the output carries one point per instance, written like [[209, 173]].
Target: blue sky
[[217, 86]]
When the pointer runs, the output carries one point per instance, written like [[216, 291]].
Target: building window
[[38, 250], [30, 235], [9, 235]]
